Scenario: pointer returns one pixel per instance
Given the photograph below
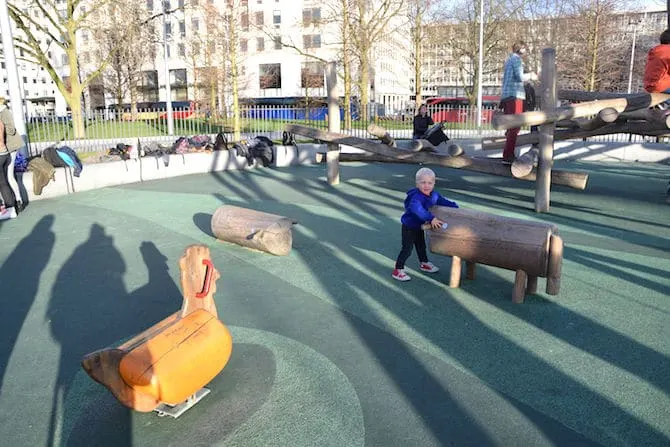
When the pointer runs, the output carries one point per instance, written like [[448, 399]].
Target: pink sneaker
[[429, 267], [400, 275], [7, 213]]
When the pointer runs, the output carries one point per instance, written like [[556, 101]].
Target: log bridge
[[530, 249], [382, 152], [166, 367]]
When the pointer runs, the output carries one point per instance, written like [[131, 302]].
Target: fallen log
[[579, 110]]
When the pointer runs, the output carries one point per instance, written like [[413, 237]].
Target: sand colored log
[[382, 134], [170, 361], [524, 165], [577, 110], [253, 229], [512, 244]]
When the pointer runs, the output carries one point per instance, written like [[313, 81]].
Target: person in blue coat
[[417, 212]]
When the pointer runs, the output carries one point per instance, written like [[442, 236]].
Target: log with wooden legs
[[572, 179], [530, 249]]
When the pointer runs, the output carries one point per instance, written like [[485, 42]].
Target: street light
[[632, 56], [168, 92], [480, 76]]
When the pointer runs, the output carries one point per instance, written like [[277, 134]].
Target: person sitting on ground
[[417, 212], [422, 121]]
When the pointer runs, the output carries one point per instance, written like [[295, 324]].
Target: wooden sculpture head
[[198, 280]]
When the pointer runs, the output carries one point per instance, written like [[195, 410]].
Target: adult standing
[[10, 143], [657, 69], [513, 93], [657, 74]]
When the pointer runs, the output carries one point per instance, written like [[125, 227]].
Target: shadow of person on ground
[[90, 309], [19, 279]]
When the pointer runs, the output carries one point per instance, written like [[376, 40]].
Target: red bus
[[459, 110]]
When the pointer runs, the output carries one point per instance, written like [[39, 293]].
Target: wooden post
[[455, 278], [519, 292], [470, 270], [333, 155], [545, 158], [531, 286]]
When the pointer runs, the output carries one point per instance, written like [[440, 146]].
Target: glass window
[[260, 44], [269, 76], [312, 75]]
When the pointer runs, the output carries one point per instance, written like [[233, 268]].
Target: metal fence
[[105, 129]]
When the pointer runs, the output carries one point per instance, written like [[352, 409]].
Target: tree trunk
[[235, 77]]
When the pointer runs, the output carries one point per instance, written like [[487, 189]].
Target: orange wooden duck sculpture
[[166, 367]]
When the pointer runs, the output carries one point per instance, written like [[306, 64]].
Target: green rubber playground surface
[[328, 349]]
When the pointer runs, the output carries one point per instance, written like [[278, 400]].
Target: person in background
[[417, 213], [10, 143], [513, 93], [657, 76], [657, 70], [422, 121]]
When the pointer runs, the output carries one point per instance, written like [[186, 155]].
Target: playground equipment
[[531, 249], [253, 229], [382, 152], [166, 367]]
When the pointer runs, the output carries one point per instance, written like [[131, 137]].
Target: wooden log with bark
[[573, 179], [253, 229], [578, 110], [533, 248]]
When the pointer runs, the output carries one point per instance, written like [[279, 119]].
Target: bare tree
[[123, 44], [419, 15], [60, 26], [369, 23], [591, 54]]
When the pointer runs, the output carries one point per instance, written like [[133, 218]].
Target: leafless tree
[[44, 25], [368, 25]]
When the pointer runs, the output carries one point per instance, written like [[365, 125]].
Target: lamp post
[[168, 92], [480, 76], [632, 58]]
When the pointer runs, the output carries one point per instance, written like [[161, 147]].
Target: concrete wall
[[100, 175]]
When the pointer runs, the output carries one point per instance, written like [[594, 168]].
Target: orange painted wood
[[177, 362], [174, 358]]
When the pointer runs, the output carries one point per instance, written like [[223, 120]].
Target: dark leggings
[[6, 191], [411, 237]]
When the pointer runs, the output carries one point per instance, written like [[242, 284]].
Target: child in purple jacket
[[417, 205]]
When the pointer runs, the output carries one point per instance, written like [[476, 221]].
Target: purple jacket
[[417, 205]]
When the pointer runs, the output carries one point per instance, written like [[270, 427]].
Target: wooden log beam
[[578, 110], [580, 95], [572, 179], [632, 127], [382, 134]]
